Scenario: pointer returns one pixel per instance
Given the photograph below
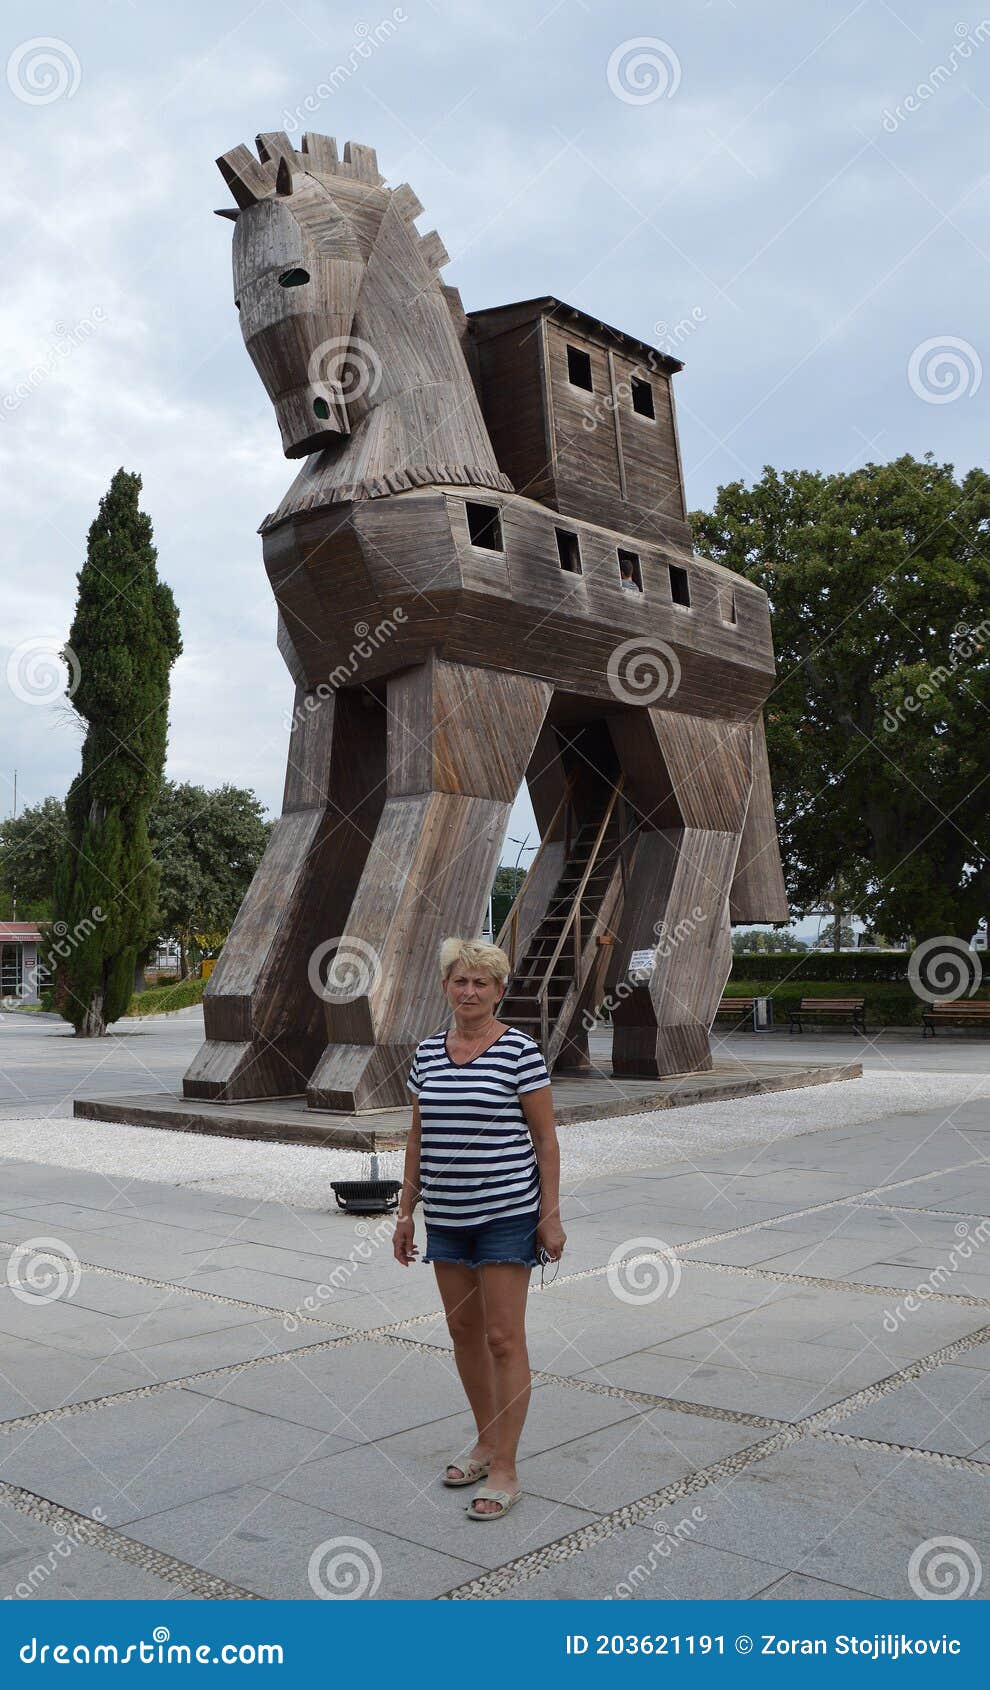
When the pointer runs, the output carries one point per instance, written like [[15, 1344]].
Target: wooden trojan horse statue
[[452, 632]]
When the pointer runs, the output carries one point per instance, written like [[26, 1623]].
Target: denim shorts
[[507, 1238]]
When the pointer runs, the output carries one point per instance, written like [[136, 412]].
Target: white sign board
[[641, 964]]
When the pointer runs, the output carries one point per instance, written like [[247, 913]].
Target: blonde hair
[[474, 953]]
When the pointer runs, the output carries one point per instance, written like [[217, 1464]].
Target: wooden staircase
[[562, 969]]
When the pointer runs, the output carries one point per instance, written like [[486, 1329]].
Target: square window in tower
[[642, 398], [579, 368], [680, 586]]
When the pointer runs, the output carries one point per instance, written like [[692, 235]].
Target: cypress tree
[[122, 644]]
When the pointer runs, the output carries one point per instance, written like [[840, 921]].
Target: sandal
[[487, 1494], [471, 1472]]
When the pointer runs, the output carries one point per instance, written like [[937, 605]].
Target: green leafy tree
[[209, 845], [837, 936], [509, 878], [124, 639], [29, 845], [760, 940], [879, 589]]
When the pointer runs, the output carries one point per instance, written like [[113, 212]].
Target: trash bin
[[762, 1014]]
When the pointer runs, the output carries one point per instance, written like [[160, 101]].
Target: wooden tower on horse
[[484, 575]]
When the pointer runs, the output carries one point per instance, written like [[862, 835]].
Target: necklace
[[481, 1041]]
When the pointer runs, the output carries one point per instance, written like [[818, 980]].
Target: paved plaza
[[763, 1370]]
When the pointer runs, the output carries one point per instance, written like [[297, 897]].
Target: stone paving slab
[[359, 1392], [605, 1469], [129, 1458], [797, 1587], [35, 1377], [399, 1492], [178, 1357], [38, 1564], [833, 1372], [826, 1258], [946, 1410], [266, 1542], [850, 1516], [735, 1389], [635, 1566]]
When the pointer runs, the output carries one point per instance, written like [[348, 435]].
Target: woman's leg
[[504, 1290], [461, 1294]]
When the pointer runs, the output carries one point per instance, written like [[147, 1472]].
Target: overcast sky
[[801, 188]]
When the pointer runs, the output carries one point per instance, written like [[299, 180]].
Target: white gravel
[[301, 1176]]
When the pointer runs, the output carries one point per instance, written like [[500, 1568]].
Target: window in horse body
[[568, 550], [484, 527]]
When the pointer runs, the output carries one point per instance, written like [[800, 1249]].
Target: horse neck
[[420, 422]]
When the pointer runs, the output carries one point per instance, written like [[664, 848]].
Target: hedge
[[160, 999], [885, 1005], [829, 965]]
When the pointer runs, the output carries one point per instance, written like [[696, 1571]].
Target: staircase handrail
[[541, 994], [512, 919]]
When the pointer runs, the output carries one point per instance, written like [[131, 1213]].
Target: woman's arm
[[403, 1247], [538, 1110]]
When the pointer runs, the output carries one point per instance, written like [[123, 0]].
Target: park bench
[[740, 1008], [946, 1010], [815, 1009]]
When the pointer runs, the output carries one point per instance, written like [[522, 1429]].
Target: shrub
[[160, 999]]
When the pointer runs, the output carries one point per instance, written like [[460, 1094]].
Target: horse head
[[359, 343], [305, 225]]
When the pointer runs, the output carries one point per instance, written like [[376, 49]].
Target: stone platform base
[[588, 1097]]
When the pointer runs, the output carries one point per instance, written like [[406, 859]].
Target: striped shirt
[[477, 1161]]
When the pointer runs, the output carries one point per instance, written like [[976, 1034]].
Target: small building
[[581, 416], [22, 974]]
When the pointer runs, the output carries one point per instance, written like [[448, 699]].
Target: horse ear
[[244, 176], [283, 177]]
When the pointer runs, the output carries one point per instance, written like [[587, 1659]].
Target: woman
[[482, 1151]]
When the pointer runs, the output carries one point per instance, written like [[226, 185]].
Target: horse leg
[[459, 741], [690, 781], [264, 1023]]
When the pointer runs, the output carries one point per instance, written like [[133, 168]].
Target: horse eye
[[293, 278]]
